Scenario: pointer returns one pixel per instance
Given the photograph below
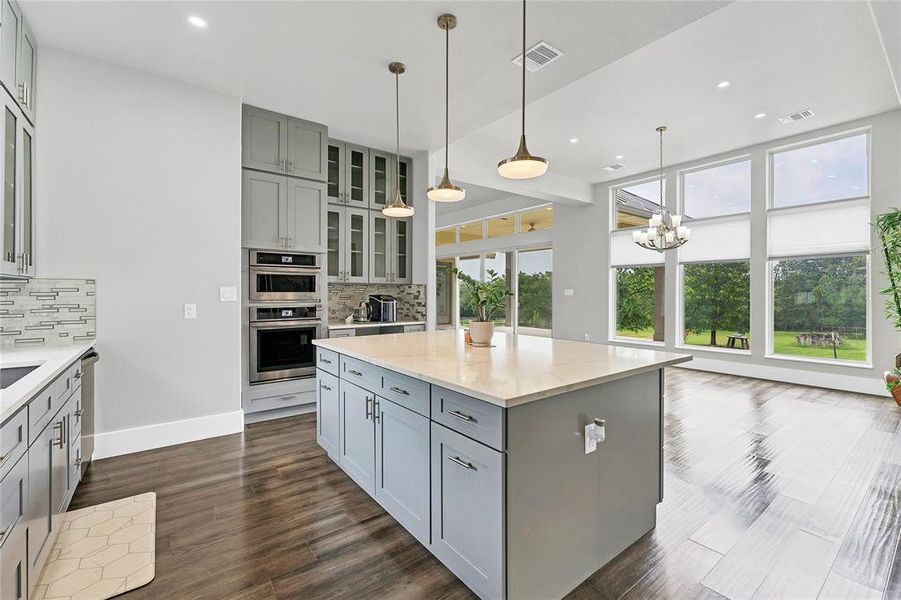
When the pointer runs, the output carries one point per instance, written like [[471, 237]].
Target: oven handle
[[286, 270], [285, 324]]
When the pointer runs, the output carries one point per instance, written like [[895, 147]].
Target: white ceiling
[[779, 56], [484, 199], [327, 60]]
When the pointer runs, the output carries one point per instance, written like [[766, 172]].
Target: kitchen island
[[523, 467]]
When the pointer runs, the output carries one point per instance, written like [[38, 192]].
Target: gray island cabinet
[[481, 453]]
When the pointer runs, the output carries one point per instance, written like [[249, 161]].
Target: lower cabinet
[[402, 466], [357, 447], [13, 564], [327, 412], [39, 511], [467, 510]]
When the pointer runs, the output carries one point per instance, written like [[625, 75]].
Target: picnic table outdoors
[[742, 340]]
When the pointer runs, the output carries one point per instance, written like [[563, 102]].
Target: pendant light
[[446, 191], [398, 208], [665, 231], [522, 165]]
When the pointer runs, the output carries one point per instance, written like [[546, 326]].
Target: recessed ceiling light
[[723, 84], [549, 208], [197, 22], [814, 161], [573, 140], [831, 175], [619, 157], [759, 115]]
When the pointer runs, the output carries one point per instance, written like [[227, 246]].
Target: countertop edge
[[343, 325], [509, 402]]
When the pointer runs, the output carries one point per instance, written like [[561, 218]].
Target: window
[[716, 191], [820, 307], [472, 266], [536, 220], [501, 263], [501, 226], [639, 303], [535, 291], [636, 203], [832, 170], [445, 236], [717, 304], [471, 231]]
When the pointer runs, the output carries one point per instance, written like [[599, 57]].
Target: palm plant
[[486, 298], [888, 226]]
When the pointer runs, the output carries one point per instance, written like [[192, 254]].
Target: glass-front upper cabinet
[[381, 183], [401, 249], [17, 173], [356, 173], [379, 239], [404, 168], [27, 195], [11, 259], [335, 171], [334, 233], [357, 266]]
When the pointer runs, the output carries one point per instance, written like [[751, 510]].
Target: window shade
[[717, 240], [831, 228], [626, 253]]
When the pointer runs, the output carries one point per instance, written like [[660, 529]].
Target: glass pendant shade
[[446, 191], [398, 209]]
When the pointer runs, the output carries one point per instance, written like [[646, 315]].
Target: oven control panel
[[291, 313]]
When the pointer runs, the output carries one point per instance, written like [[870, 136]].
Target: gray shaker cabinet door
[[306, 215], [401, 251], [307, 149], [264, 140], [327, 430], [263, 201], [26, 67], [357, 446], [335, 171], [467, 510], [38, 508], [356, 175], [356, 268], [10, 22], [402, 466], [379, 248]]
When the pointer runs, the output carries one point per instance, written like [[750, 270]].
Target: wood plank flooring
[[772, 491]]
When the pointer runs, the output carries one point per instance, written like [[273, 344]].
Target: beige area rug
[[102, 551]]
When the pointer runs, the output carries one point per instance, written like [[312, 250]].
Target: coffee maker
[[382, 308]]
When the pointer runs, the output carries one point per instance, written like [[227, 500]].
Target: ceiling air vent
[[614, 167], [798, 116], [538, 56]]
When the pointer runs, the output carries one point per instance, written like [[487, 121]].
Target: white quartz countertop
[[52, 361], [343, 325], [516, 370]]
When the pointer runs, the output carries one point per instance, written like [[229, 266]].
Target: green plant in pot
[[888, 226], [486, 299]]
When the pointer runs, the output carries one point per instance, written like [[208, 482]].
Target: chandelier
[[665, 231]]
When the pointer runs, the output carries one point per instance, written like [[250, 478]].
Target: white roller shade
[[830, 228], [718, 239], [624, 252]]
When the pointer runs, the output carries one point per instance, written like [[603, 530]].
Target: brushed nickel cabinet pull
[[459, 415], [461, 462], [60, 443], [375, 412], [353, 372], [287, 397], [325, 360], [368, 407], [325, 387], [398, 390]]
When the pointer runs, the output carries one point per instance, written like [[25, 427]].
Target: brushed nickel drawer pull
[[325, 360], [288, 397], [461, 462], [368, 409], [60, 443], [375, 412], [352, 372], [459, 415], [325, 387], [398, 390]]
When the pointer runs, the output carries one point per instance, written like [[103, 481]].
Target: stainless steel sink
[[10, 375]]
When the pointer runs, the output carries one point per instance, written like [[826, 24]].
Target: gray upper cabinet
[[10, 22], [405, 167], [401, 250], [402, 466], [356, 175], [336, 245], [357, 443], [306, 215], [26, 68], [264, 207], [467, 510], [264, 140], [17, 176], [389, 249], [335, 164], [347, 244], [307, 149], [18, 57], [381, 179]]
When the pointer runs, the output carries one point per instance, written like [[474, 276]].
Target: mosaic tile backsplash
[[47, 311], [343, 298]]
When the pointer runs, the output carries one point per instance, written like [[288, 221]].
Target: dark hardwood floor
[[772, 491]]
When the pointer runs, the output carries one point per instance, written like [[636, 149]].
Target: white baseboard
[[138, 439], [861, 385]]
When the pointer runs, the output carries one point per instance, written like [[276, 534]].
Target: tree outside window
[[639, 302], [717, 299]]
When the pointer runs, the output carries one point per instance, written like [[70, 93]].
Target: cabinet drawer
[[327, 360], [413, 328], [13, 440], [13, 490], [406, 391], [13, 563], [45, 405], [252, 405], [474, 418], [361, 373]]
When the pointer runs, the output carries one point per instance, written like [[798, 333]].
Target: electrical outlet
[[190, 311], [587, 337], [569, 292], [228, 294]]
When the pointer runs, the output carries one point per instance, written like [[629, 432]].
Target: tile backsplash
[[47, 311], [343, 298]]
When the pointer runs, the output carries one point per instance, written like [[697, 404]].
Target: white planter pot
[[481, 332]]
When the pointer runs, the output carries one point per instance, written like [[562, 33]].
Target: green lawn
[[783, 343]]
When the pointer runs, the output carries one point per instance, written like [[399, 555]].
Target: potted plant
[[888, 226], [485, 299]]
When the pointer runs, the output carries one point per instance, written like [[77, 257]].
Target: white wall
[[581, 262], [138, 185]]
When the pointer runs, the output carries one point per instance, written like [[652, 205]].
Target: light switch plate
[[190, 311], [228, 294], [569, 292]]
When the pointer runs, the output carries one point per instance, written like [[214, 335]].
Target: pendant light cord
[[446, 94], [397, 123], [662, 199], [523, 67]]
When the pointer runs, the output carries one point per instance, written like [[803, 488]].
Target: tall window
[[717, 304], [819, 255], [471, 266], [639, 303], [636, 203], [535, 291], [500, 265]]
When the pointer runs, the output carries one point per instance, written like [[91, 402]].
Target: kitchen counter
[[516, 370], [370, 324], [53, 360]]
